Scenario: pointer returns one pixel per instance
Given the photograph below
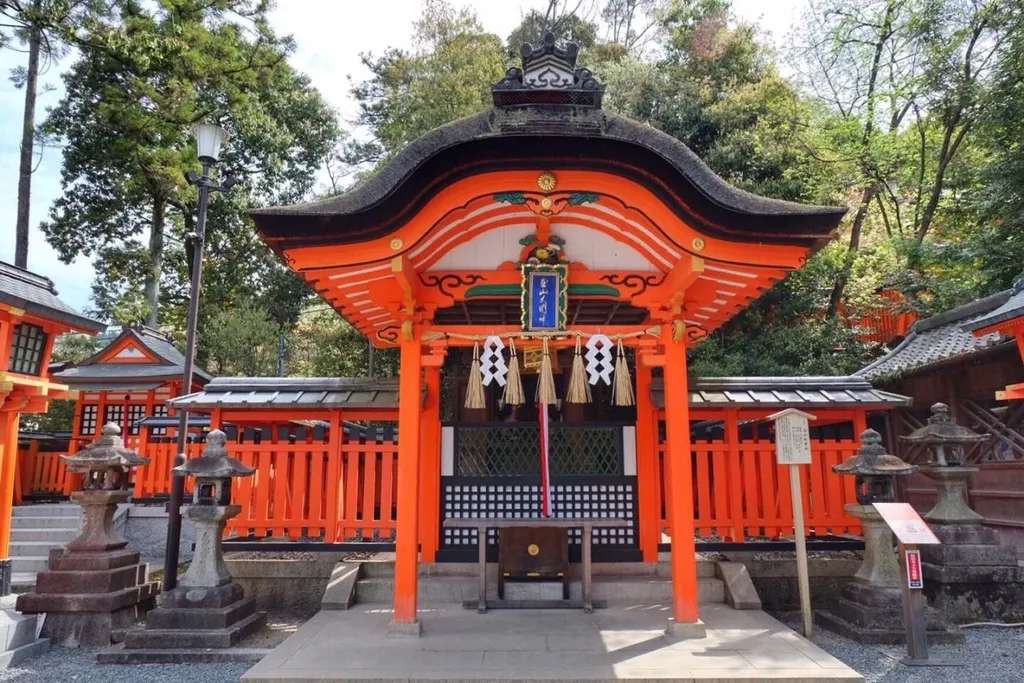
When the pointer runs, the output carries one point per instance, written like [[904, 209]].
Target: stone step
[[46, 522], [53, 535], [56, 510], [437, 590], [33, 548], [29, 563], [386, 568], [22, 582], [199, 638]]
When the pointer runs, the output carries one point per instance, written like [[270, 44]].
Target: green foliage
[[149, 75], [241, 340], [324, 345], [446, 76]]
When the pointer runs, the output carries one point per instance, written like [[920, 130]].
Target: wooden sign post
[[911, 531], [793, 448]]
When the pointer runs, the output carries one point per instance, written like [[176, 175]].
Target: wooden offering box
[[533, 554]]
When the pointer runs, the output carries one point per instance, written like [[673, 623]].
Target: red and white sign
[[906, 524], [914, 577]]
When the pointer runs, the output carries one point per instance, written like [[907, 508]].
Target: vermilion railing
[[741, 492], [39, 473], [300, 491]]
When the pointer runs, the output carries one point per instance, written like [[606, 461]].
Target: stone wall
[[774, 576], [146, 531]]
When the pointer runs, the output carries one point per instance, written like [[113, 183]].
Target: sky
[[330, 36]]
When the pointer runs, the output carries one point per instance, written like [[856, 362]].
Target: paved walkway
[[611, 644]]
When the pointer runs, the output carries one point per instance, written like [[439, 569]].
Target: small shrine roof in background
[[1012, 308], [36, 294], [293, 392], [784, 392], [153, 356], [941, 337]]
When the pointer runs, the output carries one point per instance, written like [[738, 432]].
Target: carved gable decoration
[[549, 76], [130, 352]]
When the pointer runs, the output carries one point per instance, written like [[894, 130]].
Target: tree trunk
[[156, 262], [28, 129], [851, 254]]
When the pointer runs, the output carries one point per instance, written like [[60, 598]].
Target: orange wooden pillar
[[430, 466], [685, 621], [405, 619], [647, 485], [8, 455]]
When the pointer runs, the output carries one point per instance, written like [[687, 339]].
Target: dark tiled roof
[[36, 294], [293, 392], [93, 372], [1012, 308], [808, 393], [939, 338]]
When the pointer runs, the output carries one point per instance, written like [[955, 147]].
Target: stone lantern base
[[208, 610], [95, 585], [870, 608]]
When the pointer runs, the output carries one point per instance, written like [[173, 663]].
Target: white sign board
[[792, 437], [906, 524]]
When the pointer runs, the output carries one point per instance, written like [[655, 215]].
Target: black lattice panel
[[603, 497]]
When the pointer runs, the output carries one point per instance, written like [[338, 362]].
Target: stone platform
[[623, 642]]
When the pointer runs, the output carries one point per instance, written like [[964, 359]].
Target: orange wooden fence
[[300, 491], [741, 492], [40, 473]]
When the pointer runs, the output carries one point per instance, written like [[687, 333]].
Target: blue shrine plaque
[[544, 298]]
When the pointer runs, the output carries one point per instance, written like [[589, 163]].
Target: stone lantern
[[95, 584], [208, 608], [972, 577], [946, 442], [869, 608]]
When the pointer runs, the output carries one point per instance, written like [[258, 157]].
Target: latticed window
[[27, 348], [88, 427], [114, 413], [159, 411], [136, 412], [512, 450]]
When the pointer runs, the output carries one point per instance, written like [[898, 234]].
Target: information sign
[[906, 524], [792, 437]]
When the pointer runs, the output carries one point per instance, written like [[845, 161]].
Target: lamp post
[[209, 139]]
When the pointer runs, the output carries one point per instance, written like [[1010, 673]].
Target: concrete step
[[33, 548], [39, 522], [22, 582], [48, 510], [33, 564], [372, 569], [438, 590], [53, 535]]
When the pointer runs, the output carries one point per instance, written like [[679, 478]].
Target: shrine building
[[552, 227]]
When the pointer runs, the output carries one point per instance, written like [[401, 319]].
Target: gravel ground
[[990, 655], [62, 665]]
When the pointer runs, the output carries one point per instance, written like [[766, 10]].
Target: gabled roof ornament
[[549, 76]]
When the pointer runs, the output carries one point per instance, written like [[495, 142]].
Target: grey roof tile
[[94, 371], [36, 294], [784, 392], [294, 392], [939, 338], [1012, 308]]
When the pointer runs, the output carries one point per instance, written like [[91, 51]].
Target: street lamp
[[209, 139]]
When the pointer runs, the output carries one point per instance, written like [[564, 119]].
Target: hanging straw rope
[[475, 388], [513, 383], [579, 389], [546, 380], [622, 388]]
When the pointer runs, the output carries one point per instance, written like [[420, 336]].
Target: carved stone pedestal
[[206, 610], [870, 608], [95, 585]]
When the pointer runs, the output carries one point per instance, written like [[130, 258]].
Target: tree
[[324, 345], [446, 76], [241, 340], [44, 27], [126, 118]]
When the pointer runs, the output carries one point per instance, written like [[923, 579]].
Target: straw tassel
[[475, 389], [579, 389], [513, 383], [546, 380], [622, 389]]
